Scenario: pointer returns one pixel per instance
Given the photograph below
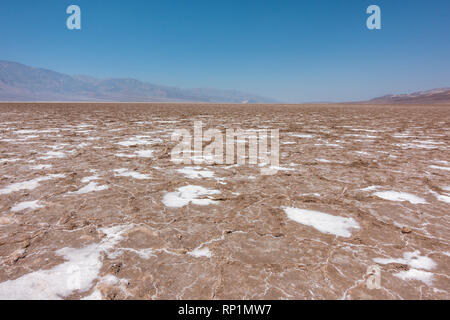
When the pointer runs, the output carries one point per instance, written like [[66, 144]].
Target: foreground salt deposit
[[81, 268]]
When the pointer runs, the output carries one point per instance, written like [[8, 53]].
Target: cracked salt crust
[[323, 222]]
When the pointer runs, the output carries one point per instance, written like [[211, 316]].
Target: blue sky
[[294, 51]]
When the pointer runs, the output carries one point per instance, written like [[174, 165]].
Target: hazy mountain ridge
[[19, 82], [436, 96]]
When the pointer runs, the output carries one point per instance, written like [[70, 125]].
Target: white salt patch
[[81, 268], [60, 146], [441, 197], [366, 136], [301, 135], [201, 159], [196, 172], [139, 153], [83, 125], [327, 161], [366, 130], [29, 185], [92, 186], [128, 173], [95, 295], [138, 140], [322, 222], [413, 259], [427, 142], [83, 144], [9, 160], [370, 188], [90, 178], [311, 194], [400, 196], [108, 280], [143, 253], [402, 136], [144, 153], [41, 166], [124, 155], [53, 154], [447, 188], [201, 253], [30, 137], [414, 274], [415, 146], [439, 168], [26, 205], [167, 121], [133, 142], [188, 194], [25, 131], [328, 144]]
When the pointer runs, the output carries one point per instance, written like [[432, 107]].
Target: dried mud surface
[[77, 197]]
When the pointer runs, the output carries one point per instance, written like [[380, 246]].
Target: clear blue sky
[[295, 51]]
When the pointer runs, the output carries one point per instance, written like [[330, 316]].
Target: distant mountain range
[[435, 96], [19, 82]]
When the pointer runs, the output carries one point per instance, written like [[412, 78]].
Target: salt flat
[[93, 207]]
